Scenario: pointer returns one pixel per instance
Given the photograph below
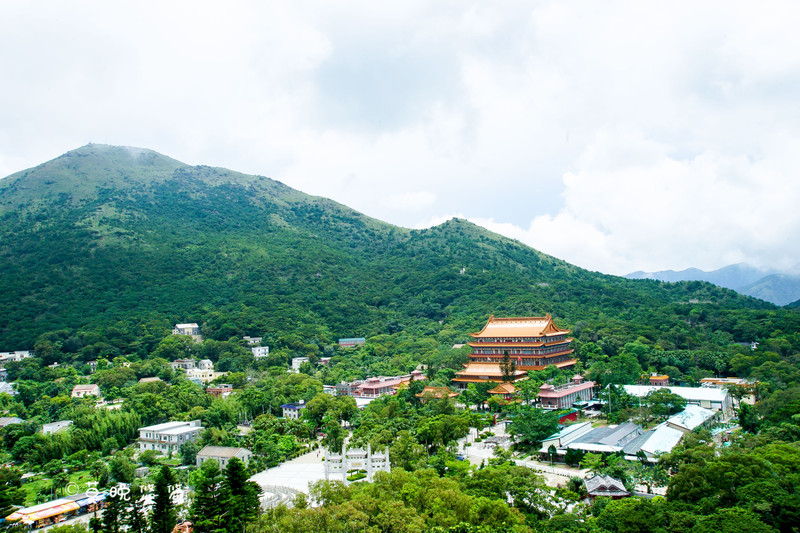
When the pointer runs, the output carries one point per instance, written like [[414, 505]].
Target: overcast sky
[[616, 135]]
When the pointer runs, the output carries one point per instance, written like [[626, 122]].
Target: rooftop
[[220, 451], [519, 327], [691, 417], [486, 369], [690, 393]]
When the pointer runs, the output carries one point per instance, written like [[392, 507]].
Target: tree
[[593, 462], [241, 496], [532, 425], [508, 368], [113, 510], [664, 403], [134, 516], [163, 513], [189, 451], [11, 492], [208, 502], [60, 482]]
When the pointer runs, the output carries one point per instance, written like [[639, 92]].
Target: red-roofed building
[[563, 396]]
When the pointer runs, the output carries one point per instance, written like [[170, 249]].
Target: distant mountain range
[[779, 287]]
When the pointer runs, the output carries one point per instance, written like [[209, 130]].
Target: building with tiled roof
[[79, 391], [605, 486], [483, 372], [223, 454], [659, 380], [533, 343], [507, 391], [436, 393], [563, 396]]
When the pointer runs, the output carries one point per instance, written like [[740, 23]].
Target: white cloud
[[618, 135]]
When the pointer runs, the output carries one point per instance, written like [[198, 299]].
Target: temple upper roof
[[528, 327]]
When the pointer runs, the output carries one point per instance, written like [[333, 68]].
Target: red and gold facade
[[532, 343]]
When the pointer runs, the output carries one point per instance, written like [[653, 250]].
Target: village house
[[352, 342], [223, 454], [222, 390], [192, 330], [79, 391], [14, 357], [168, 437], [8, 420], [293, 411], [252, 341], [203, 375], [296, 362], [183, 364], [260, 351]]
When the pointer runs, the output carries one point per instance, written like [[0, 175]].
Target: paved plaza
[[282, 483]]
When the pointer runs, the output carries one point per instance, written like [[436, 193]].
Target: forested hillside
[[108, 235]]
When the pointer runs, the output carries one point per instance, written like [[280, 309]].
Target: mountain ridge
[[104, 234], [771, 285]]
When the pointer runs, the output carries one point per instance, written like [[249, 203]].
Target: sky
[[617, 135]]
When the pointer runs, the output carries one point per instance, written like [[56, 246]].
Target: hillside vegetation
[[107, 234]]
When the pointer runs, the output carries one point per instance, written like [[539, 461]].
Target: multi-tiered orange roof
[[529, 327]]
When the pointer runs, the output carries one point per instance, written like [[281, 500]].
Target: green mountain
[[129, 240]]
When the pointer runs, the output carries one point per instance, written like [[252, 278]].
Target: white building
[[192, 330], [168, 437], [183, 364], [223, 454], [252, 341], [203, 375], [14, 357], [79, 391], [296, 362], [293, 410], [205, 364], [260, 351], [706, 397]]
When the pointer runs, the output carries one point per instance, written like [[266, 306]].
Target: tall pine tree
[[163, 515], [242, 496], [208, 500], [135, 518]]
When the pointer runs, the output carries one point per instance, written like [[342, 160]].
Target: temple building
[[532, 343]]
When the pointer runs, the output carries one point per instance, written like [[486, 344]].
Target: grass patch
[[38, 489]]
